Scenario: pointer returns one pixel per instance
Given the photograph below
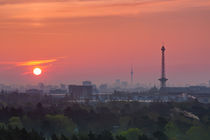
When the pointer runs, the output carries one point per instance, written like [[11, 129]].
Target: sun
[[37, 71]]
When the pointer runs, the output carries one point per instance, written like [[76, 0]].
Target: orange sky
[[99, 40]]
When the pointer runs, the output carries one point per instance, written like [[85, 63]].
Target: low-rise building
[[80, 92]]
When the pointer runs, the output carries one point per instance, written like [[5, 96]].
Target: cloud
[[28, 1], [56, 9], [58, 1], [31, 62], [35, 62], [49, 9], [40, 13]]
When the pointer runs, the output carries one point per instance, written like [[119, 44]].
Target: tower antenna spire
[[163, 78], [132, 74]]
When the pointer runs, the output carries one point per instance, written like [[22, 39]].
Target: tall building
[[163, 78]]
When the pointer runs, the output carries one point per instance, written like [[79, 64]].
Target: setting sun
[[37, 71]]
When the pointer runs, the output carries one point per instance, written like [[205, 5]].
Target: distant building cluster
[[118, 91]]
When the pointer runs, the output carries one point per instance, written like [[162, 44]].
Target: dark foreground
[[35, 117]]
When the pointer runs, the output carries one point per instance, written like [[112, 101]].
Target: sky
[[99, 40]]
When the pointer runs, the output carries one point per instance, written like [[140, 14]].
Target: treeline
[[19, 134], [125, 120], [23, 134]]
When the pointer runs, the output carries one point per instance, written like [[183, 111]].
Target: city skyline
[[101, 43], [104, 69]]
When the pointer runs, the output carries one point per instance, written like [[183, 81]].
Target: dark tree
[[105, 135], [74, 137], [143, 137], [54, 137], [91, 136], [63, 137], [119, 137], [160, 135]]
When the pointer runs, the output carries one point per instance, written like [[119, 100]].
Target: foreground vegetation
[[35, 117]]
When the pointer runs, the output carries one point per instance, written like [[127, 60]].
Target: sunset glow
[[101, 37], [105, 69]]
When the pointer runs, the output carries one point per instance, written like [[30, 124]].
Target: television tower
[[131, 75], [163, 78]]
